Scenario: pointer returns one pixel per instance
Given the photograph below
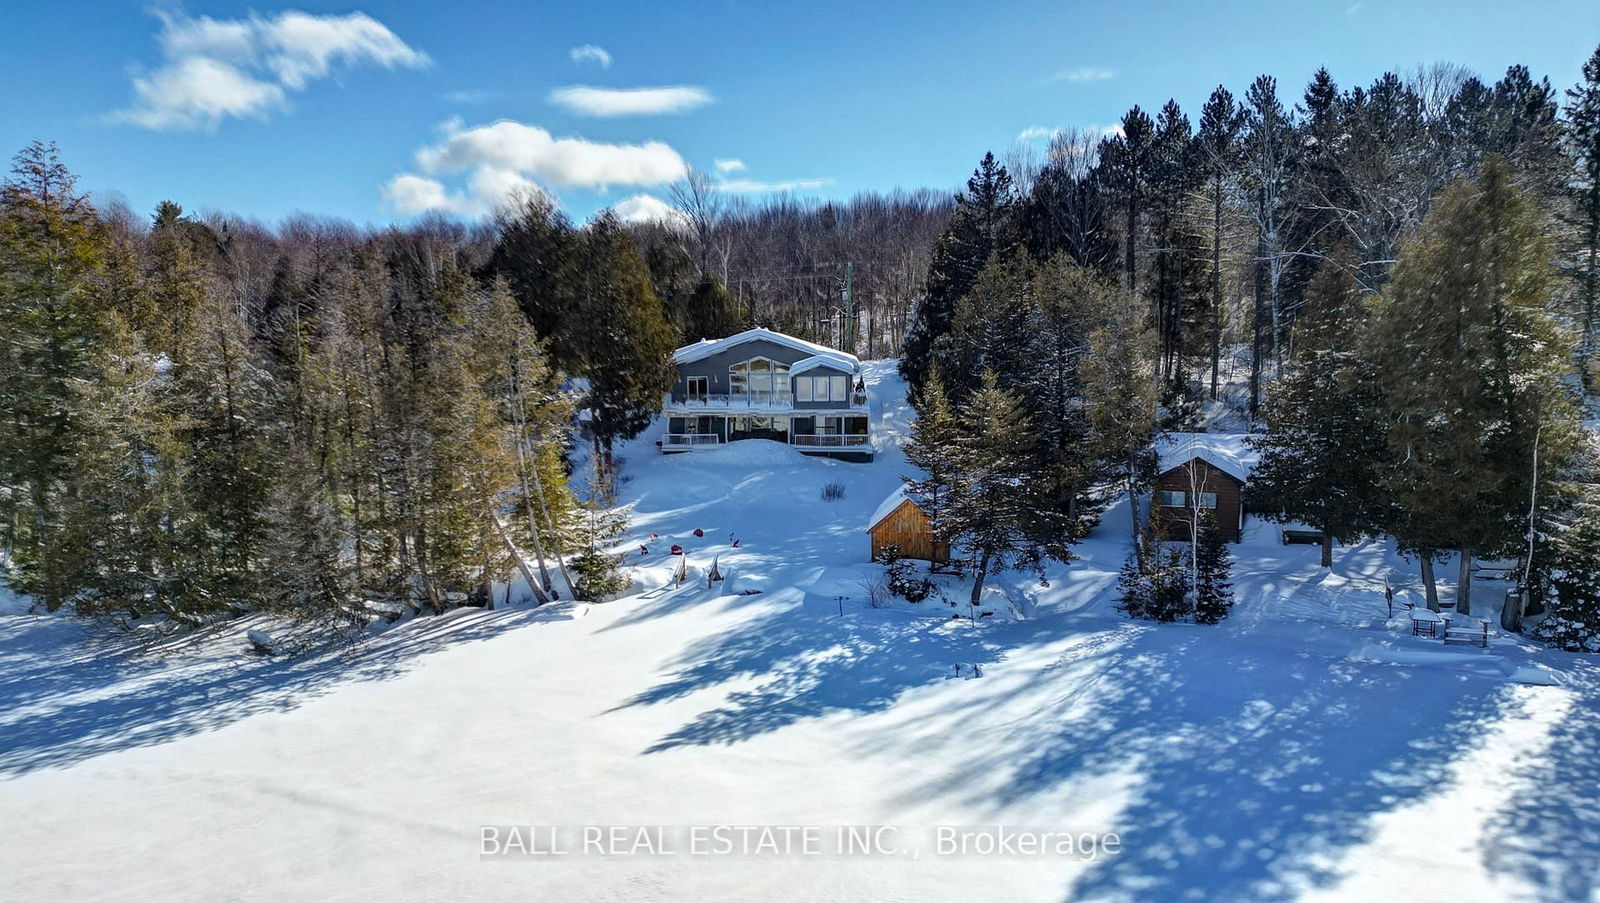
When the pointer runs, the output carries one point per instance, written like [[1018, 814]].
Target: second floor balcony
[[774, 400]]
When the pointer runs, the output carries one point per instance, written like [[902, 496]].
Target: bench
[[1465, 630], [1302, 537]]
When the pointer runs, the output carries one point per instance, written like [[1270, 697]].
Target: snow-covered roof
[[888, 505], [836, 361], [1225, 451], [821, 353]]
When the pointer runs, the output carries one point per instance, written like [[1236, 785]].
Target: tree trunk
[[519, 561], [1464, 584], [1216, 288], [1327, 549], [977, 585], [1429, 588]]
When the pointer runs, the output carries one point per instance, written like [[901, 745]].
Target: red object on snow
[[699, 532], [677, 550]]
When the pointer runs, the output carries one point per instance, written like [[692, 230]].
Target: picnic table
[[1425, 622]]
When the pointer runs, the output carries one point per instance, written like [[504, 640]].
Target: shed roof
[[887, 506], [707, 347], [1226, 452]]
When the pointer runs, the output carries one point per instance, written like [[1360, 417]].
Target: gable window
[[802, 388], [839, 388], [758, 377], [1171, 498], [698, 388]]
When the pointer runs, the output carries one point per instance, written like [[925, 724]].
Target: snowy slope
[[1305, 748]]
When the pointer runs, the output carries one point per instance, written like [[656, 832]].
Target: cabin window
[[1208, 500], [1172, 498], [698, 388]]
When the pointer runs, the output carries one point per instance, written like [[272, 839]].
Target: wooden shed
[[899, 521], [1201, 472]]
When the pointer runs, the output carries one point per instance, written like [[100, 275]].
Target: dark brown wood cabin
[[906, 525], [1195, 482]]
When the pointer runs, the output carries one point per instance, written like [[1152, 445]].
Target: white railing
[[829, 440], [774, 399], [690, 440]]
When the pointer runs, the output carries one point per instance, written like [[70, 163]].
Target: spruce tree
[[1213, 570], [1323, 454], [1572, 621], [1122, 397], [931, 448], [1001, 513], [984, 224]]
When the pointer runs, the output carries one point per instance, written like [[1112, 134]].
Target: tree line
[[201, 417], [1406, 269]]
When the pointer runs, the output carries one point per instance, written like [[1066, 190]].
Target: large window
[[1169, 498], [1208, 500], [822, 388], [758, 378], [698, 390]]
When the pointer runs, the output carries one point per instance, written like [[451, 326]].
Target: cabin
[[1200, 472], [901, 522], [761, 384]]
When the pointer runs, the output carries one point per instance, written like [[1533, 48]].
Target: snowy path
[[1301, 749]]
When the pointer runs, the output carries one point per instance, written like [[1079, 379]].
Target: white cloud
[[1036, 132], [589, 101], [505, 158], [591, 53], [733, 164], [216, 69], [645, 208], [1084, 74], [751, 186]]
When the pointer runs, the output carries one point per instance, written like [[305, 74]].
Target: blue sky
[[379, 110]]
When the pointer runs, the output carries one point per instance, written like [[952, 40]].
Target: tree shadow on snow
[[812, 663], [1251, 768], [66, 697]]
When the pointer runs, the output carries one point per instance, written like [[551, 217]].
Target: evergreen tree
[[983, 225], [1573, 618], [1583, 143], [1213, 569], [1125, 163], [627, 342], [1470, 365], [932, 449], [51, 250], [709, 312], [1121, 396], [1323, 454], [1000, 513], [1217, 150]]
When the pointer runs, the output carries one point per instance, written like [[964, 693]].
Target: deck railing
[[690, 440], [829, 440], [773, 399]]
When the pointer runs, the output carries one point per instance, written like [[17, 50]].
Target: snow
[[887, 506], [822, 353], [1225, 451], [1306, 748]]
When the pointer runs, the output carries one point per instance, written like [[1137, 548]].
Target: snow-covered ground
[[1304, 748]]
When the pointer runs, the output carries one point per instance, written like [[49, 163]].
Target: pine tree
[[1000, 512], [1583, 143], [1470, 366], [1217, 147], [983, 225], [1126, 160], [1323, 454], [709, 312], [1213, 569]]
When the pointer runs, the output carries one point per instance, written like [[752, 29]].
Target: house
[[902, 523], [762, 384], [1201, 472]]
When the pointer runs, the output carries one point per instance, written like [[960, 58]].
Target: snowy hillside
[[1304, 749]]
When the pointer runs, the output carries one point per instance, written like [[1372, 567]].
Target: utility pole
[[849, 310]]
